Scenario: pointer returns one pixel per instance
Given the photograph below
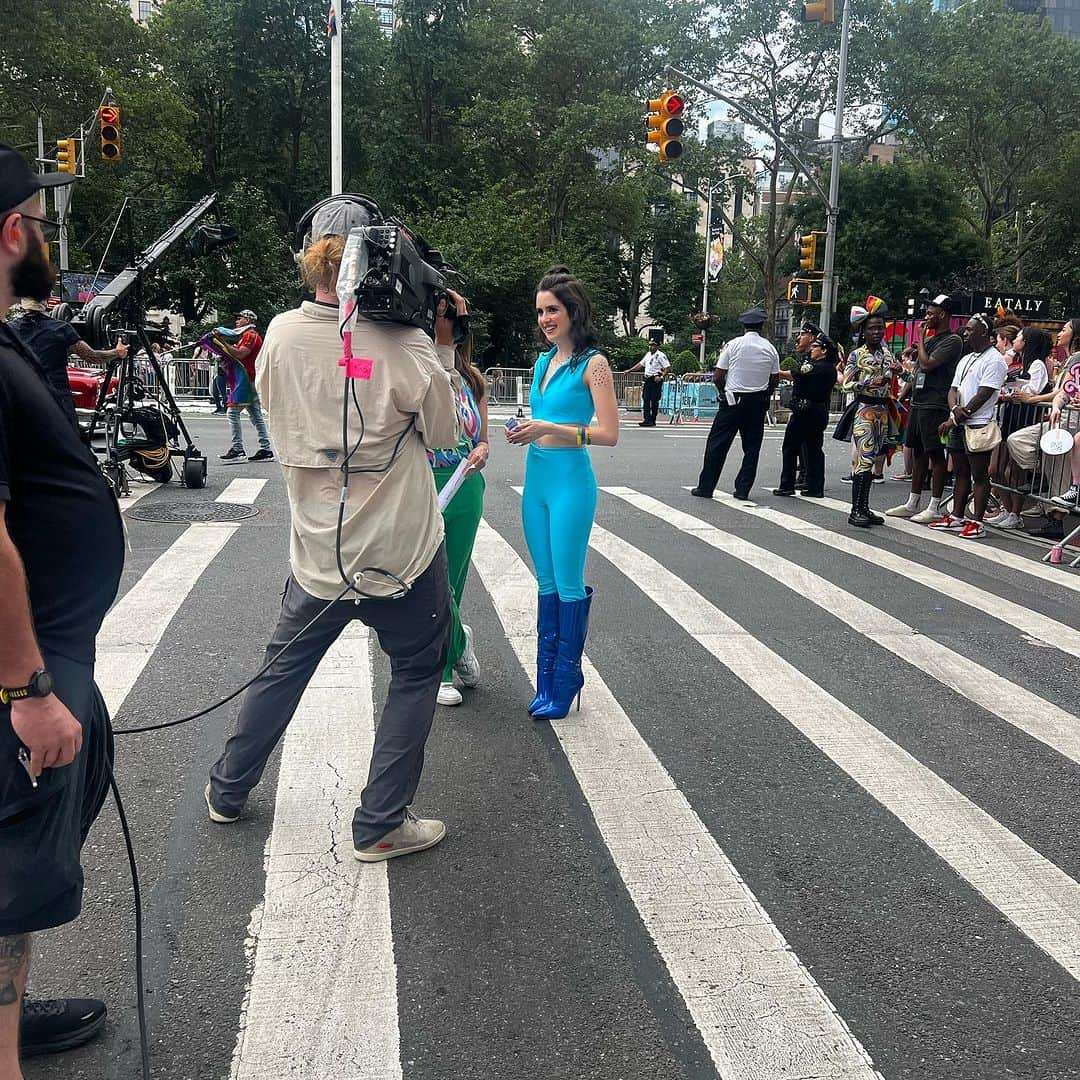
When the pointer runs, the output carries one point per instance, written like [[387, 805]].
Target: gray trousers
[[414, 632]]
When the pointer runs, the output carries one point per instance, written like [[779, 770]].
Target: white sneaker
[[468, 667], [1010, 521], [924, 517], [449, 694], [413, 834], [216, 815], [902, 511], [996, 519]]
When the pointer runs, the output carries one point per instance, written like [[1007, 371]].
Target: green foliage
[[625, 352], [685, 362], [902, 228]]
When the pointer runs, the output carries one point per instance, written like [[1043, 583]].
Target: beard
[[33, 277]]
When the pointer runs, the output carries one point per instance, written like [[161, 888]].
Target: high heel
[[568, 680], [547, 642]]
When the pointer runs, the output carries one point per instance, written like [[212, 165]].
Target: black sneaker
[[1052, 530], [262, 455], [233, 455], [1069, 499], [56, 1024], [701, 494], [847, 479]]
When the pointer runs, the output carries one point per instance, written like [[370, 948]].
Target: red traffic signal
[[665, 124], [109, 127]]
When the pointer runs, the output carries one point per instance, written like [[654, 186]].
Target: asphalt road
[[817, 816]]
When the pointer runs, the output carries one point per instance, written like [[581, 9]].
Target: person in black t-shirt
[[804, 435], [61, 555], [52, 341], [938, 352]]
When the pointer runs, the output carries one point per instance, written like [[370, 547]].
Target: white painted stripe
[[1037, 897], [686, 436], [1026, 621], [134, 627], [138, 491], [242, 490], [974, 548], [323, 996], [1024, 710], [729, 961]]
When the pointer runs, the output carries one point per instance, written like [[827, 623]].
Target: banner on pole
[[716, 257], [331, 23]]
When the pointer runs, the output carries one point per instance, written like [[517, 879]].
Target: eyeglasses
[[50, 230]]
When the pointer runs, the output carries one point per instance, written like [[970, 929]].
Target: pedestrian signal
[[822, 11], [67, 159], [109, 127], [666, 125], [800, 292]]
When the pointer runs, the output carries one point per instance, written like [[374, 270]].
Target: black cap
[[754, 317], [18, 183], [809, 328]]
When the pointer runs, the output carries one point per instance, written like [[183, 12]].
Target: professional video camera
[[400, 277]]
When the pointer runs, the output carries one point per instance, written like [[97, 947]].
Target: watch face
[[41, 685]]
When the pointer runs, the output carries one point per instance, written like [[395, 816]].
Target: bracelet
[[588, 437]]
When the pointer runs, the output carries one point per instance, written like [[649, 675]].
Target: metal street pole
[[705, 286], [336, 181], [41, 160], [832, 208]]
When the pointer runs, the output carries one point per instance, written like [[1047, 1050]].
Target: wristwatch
[[40, 685]]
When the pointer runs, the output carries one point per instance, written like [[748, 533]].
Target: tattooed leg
[[14, 965]]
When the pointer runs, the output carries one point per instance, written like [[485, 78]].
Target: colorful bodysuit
[[559, 503], [872, 423]]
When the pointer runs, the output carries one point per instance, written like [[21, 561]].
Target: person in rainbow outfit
[[571, 383]]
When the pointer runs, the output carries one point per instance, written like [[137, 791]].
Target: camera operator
[[391, 522], [57, 518]]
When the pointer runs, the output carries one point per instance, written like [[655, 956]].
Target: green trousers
[[462, 519]]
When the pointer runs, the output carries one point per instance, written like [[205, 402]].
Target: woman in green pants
[[462, 516]]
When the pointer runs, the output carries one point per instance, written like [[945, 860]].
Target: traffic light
[[800, 292], [67, 160], [822, 11], [666, 125], [109, 126], [808, 251]]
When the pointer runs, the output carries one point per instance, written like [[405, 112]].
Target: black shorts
[[922, 429], [42, 829]]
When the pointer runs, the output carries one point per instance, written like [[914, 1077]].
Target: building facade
[[142, 10]]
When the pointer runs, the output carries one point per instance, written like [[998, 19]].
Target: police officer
[[747, 372], [654, 366]]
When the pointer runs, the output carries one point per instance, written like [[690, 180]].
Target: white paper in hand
[[452, 485]]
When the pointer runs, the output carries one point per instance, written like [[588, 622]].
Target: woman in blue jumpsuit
[[571, 383]]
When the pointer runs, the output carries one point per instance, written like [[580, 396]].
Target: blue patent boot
[[568, 679], [547, 643]]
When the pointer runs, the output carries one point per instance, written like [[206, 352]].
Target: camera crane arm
[[124, 289]]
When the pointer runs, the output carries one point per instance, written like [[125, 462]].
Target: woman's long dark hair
[[1037, 346], [463, 361], [572, 295], [1074, 345]]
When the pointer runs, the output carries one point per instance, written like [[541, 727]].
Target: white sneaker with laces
[[449, 694], [413, 834], [1010, 521], [468, 667], [996, 519], [901, 511], [924, 517]]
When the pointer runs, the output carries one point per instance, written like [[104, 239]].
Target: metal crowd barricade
[[1051, 476]]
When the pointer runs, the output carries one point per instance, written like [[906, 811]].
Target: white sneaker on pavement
[[413, 834], [902, 511], [216, 815], [468, 667], [1010, 521], [449, 694], [924, 517]]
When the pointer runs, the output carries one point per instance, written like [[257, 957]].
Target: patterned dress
[[872, 425]]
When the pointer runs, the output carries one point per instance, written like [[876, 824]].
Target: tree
[[902, 227]]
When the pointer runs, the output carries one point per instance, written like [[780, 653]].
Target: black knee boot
[[860, 497]]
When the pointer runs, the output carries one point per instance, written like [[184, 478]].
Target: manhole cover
[[189, 513]]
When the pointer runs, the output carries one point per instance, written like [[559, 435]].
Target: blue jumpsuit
[[559, 503]]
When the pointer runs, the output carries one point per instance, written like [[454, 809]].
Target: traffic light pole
[[705, 278], [336, 180], [832, 209]]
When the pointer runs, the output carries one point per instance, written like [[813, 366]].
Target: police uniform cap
[[754, 317]]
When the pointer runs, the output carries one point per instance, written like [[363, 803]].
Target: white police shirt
[[655, 362], [749, 361]]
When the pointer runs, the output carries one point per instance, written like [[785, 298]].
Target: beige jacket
[[392, 521]]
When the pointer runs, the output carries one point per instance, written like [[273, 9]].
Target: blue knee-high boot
[[547, 644], [568, 680]]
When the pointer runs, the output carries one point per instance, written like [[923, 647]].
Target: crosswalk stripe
[[137, 492], [1023, 619], [243, 489], [987, 553], [1021, 708], [324, 916], [136, 623], [134, 626], [1037, 897], [729, 961]]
